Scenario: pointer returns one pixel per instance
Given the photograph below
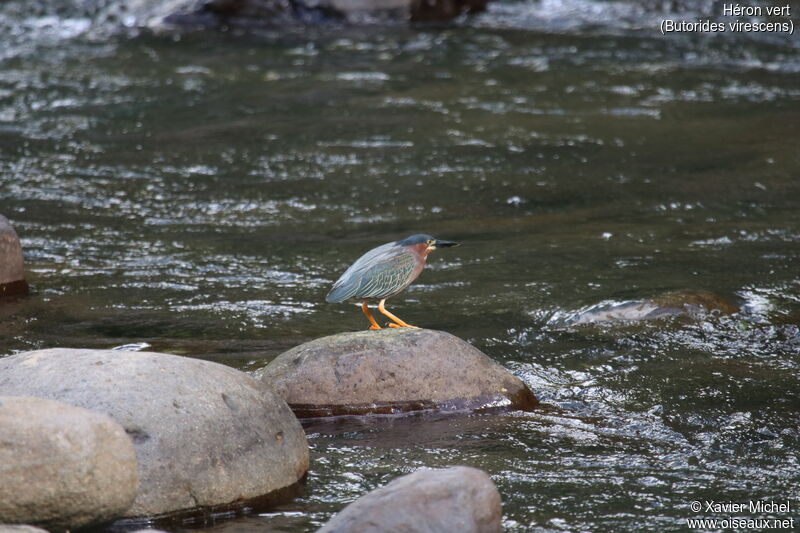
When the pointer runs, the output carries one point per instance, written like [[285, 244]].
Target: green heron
[[383, 272]]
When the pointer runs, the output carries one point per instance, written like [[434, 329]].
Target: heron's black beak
[[445, 244]]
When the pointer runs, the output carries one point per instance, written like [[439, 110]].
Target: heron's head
[[425, 243]]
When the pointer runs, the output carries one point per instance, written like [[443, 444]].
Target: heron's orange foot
[[393, 325], [376, 326]]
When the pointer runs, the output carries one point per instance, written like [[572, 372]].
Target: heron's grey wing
[[380, 273], [388, 276], [365, 261], [348, 283]]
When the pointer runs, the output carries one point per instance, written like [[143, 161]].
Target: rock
[[422, 10], [62, 467], [694, 302], [459, 499], [12, 528], [681, 303], [204, 434], [170, 15], [391, 371], [12, 268]]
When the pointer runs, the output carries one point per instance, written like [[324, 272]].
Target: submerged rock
[[459, 499], [204, 434], [12, 268], [694, 302], [168, 15], [391, 371], [682, 303], [62, 467]]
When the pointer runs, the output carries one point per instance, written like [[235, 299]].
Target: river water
[[201, 195]]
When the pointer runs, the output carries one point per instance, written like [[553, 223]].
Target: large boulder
[[12, 268], [391, 371], [170, 15], [459, 499], [62, 467], [205, 434]]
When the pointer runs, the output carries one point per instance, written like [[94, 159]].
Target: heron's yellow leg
[[397, 322], [369, 316]]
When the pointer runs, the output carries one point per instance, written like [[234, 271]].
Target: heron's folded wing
[[348, 283], [388, 276], [382, 276]]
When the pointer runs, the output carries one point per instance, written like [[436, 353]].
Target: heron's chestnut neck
[[421, 249]]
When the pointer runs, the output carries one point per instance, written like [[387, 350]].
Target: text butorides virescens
[[383, 272]]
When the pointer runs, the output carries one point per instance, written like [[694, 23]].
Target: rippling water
[[201, 194]]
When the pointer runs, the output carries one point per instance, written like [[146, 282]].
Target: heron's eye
[[430, 241]]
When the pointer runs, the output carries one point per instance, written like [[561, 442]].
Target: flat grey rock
[[391, 371], [461, 499], [205, 434], [62, 467]]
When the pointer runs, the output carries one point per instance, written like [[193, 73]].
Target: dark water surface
[[201, 195]]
